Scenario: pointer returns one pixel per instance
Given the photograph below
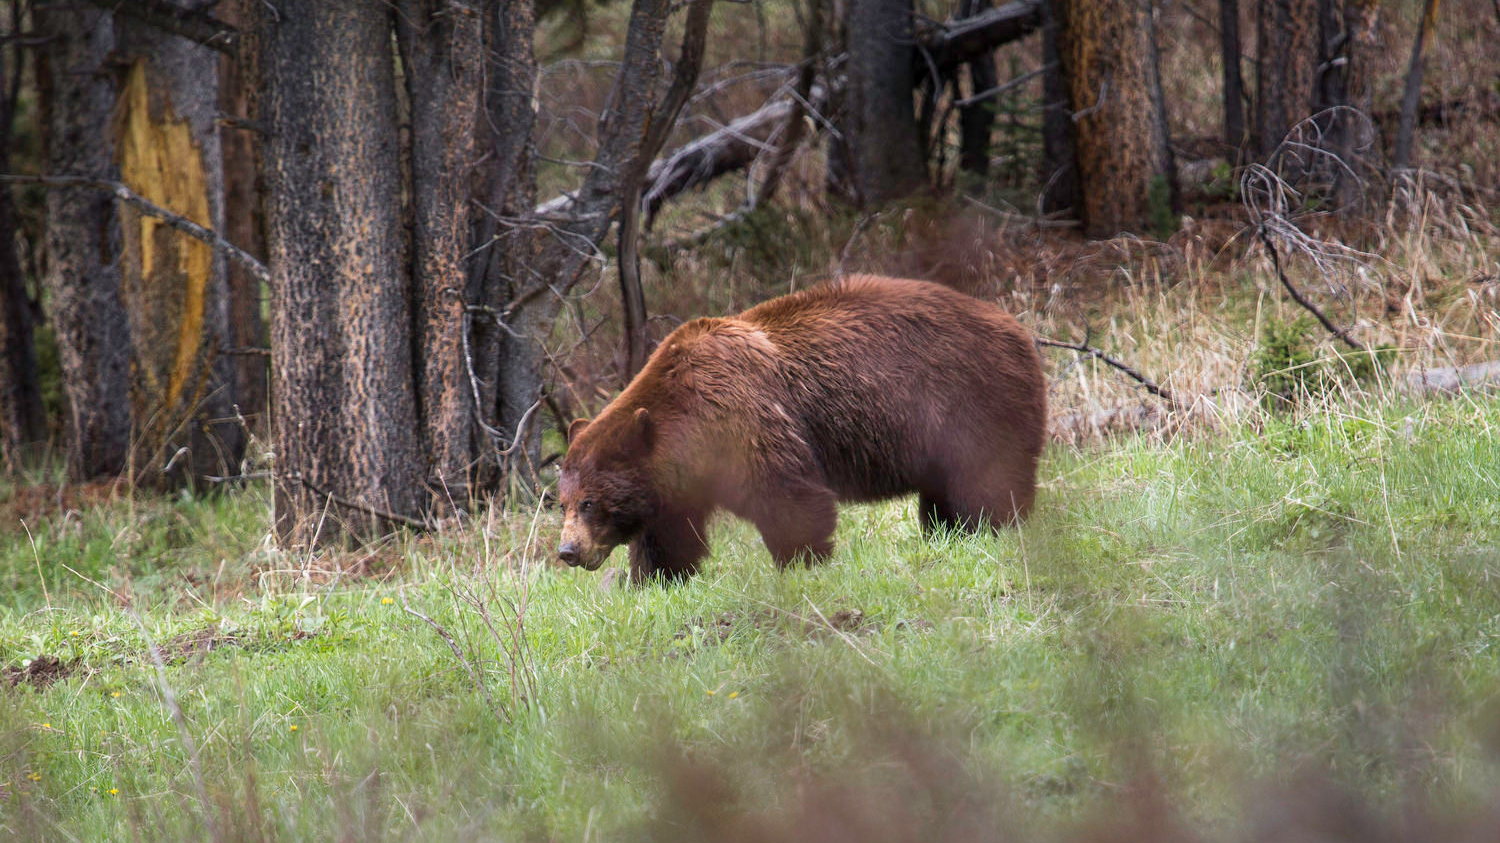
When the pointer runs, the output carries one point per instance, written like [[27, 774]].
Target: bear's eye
[[586, 506]]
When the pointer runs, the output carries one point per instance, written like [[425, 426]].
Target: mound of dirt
[[39, 673]]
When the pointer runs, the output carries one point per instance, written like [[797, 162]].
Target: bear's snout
[[568, 552]]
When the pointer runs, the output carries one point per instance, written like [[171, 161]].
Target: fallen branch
[[193, 24], [960, 41], [1451, 379], [150, 209], [1077, 427], [1084, 348]]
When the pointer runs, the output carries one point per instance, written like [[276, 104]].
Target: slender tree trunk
[[244, 212], [1059, 162], [1108, 58], [78, 88], [441, 47], [1234, 85], [977, 121], [21, 416], [1411, 94], [1286, 44], [882, 128], [174, 286], [571, 245], [506, 243], [345, 417]]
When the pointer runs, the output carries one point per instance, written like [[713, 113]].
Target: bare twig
[[151, 209], [415, 523], [1084, 348], [501, 712]]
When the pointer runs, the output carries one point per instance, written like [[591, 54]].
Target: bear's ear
[[645, 430], [576, 428]]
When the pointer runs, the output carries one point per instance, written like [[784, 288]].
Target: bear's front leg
[[799, 526], [669, 548]]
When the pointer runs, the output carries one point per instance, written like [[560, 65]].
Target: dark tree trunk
[[975, 122], [21, 417], [172, 285], [1059, 163], [1411, 93], [442, 52], [506, 244], [571, 244], [1234, 85], [244, 212], [882, 130], [344, 418], [1286, 44], [78, 87], [1108, 57], [1346, 35]]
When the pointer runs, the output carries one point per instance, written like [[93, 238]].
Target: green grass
[[1214, 614]]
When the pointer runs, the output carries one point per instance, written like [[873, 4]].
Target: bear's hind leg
[[935, 514], [999, 497], [669, 549], [798, 527]]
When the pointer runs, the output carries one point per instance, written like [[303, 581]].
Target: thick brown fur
[[864, 389]]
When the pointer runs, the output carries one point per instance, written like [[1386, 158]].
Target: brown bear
[[861, 390]]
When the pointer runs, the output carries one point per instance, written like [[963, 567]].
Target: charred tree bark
[[21, 415], [441, 47], [244, 212], [78, 88], [881, 126], [1108, 59], [345, 420], [975, 122], [1234, 84], [1345, 37], [173, 286], [1059, 163], [1286, 45]]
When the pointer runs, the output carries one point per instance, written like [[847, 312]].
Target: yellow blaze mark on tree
[[159, 160]]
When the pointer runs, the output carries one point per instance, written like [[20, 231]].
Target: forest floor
[[1226, 633]]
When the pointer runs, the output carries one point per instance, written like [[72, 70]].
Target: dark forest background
[[375, 251]]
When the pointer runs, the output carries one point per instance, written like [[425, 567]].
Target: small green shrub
[[1289, 367]]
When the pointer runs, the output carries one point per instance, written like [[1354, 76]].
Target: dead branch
[[151, 209], [1084, 348], [194, 24], [384, 514], [1082, 425], [960, 41], [740, 143], [1301, 299]]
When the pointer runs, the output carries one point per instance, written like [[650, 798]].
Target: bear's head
[[605, 486]]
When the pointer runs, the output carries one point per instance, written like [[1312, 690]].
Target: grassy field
[[1189, 635]]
